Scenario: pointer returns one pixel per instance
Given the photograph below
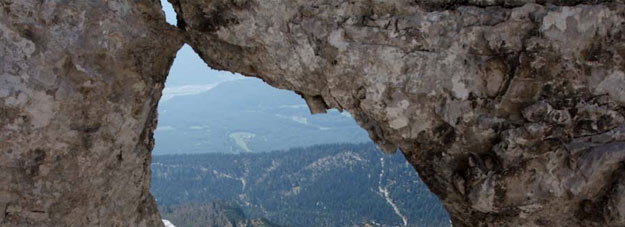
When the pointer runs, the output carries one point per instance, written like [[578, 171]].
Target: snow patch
[[383, 191], [168, 223]]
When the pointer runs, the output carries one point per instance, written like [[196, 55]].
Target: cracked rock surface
[[79, 84], [512, 111]]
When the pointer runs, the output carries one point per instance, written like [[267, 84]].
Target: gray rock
[[512, 111], [483, 97], [79, 85]]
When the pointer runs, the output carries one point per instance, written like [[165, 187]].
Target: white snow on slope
[[168, 223], [386, 194]]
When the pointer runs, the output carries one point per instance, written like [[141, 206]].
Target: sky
[[169, 12]]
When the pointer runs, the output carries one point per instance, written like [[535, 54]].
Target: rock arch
[[511, 111]]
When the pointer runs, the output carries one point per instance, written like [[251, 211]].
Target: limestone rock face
[[79, 82], [513, 112]]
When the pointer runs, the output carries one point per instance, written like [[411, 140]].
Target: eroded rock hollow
[[513, 112]]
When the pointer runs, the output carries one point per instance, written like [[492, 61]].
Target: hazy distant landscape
[[245, 115], [323, 185]]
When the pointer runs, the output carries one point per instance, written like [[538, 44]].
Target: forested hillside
[[324, 185], [214, 214]]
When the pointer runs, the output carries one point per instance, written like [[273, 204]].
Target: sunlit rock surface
[[512, 111]]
